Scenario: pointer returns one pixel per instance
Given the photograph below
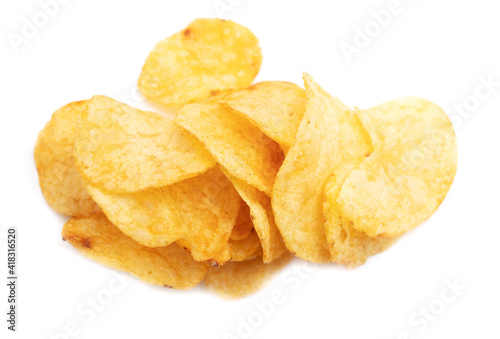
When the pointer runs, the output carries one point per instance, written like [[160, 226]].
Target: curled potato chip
[[98, 239], [239, 279], [199, 212], [244, 225], [347, 245], [59, 179], [244, 242], [409, 173], [247, 248], [262, 217], [239, 147], [122, 149], [205, 58], [275, 107], [330, 138]]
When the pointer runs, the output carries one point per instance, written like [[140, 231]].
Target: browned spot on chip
[[213, 263], [87, 243]]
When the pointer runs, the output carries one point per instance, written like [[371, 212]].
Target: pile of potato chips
[[244, 175]]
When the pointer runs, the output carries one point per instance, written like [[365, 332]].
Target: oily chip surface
[[409, 173], [199, 213], [330, 138], [239, 147], [239, 279], [122, 149], [98, 239], [209, 56], [59, 179], [275, 107]]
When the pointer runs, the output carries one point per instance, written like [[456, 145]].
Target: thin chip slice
[[239, 279], [207, 57], [263, 219], [238, 146], [244, 225], [347, 245], [244, 242], [275, 107], [246, 249], [199, 212], [98, 239], [59, 180], [408, 175], [330, 137], [122, 149]]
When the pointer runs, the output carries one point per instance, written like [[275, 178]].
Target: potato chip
[[275, 107], [245, 173], [60, 182], [122, 149], [198, 212], [408, 175], [207, 57], [330, 138], [239, 279], [241, 148], [263, 219], [347, 245], [98, 239], [244, 242], [247, 248], [244, 225]]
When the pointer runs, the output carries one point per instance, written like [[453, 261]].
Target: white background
[[439, 50]]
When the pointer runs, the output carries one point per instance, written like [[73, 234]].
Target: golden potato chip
[[244, 225], [60, 182], [98, 239], [263, 219], [239, 279], [122, 149], [409, 173], [205, 58], [347, 245], [275, 107], [199, 212], [330, 138], [244, 242], [247, 248], [241, 148]]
